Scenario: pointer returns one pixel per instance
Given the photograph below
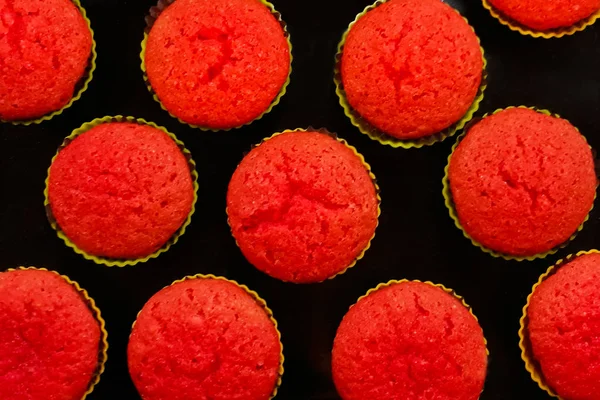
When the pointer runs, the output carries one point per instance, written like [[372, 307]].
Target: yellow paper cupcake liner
[[103, 350], [447, 193], [155, 12], [549, 34], [260, 302], [531, 365], [376, 134], [111, 262], [83, 83], [364, 163], [437, 285]]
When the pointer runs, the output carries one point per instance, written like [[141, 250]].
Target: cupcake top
[[564, 327], [204, 339], [522, 182], [411, 68], [120, 190], [302, 206], [544, 15], [50, 339], [45, 47], [412, 341], [217, 64]]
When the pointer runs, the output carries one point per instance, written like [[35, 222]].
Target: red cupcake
[[120, 191], [521, 182], [411, 341], [546, 15], [205, 338], [561, 329], [302, 206], [217, 64], [52, 340], [410, 68], [45, 54]]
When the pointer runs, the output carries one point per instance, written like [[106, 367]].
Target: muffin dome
[[411, 68], [522, 182], [120, 190], [302, 206], [217, 64], [412, 341], [204, 338], [50, 339], [45, 48]]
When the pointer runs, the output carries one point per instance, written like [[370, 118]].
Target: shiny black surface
[[416, 238]]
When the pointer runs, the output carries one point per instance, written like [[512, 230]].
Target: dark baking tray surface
[[416, 238]]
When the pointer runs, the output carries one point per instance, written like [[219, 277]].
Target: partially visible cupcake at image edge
[[121, 190], [303, 206], [410, 72], [560, 328], [52, 337], [217, 65], [47, 57], [409, 340], [205, 337], [545, 18], [520, 183]]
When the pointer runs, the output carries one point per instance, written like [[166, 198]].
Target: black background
[[416, 239]]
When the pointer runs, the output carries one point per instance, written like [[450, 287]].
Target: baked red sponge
[[49, 340], [302, 206], [120, 190], [409, 341], [522, 182], [564, 328], [204, 339], [546, 14], [411, 68], [217, 64], [45, 48]]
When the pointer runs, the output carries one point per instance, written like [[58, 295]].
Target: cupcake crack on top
[[302, 206], [217, 64], [45, 50], [411, 68]]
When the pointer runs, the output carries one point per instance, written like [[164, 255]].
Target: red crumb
[[564, 328], [546, 14], [120, 190], [49, 340], [409, 341], [45, 46], [302, 206], [217, 64], [522, 182], [411, 68], [204, 339]]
